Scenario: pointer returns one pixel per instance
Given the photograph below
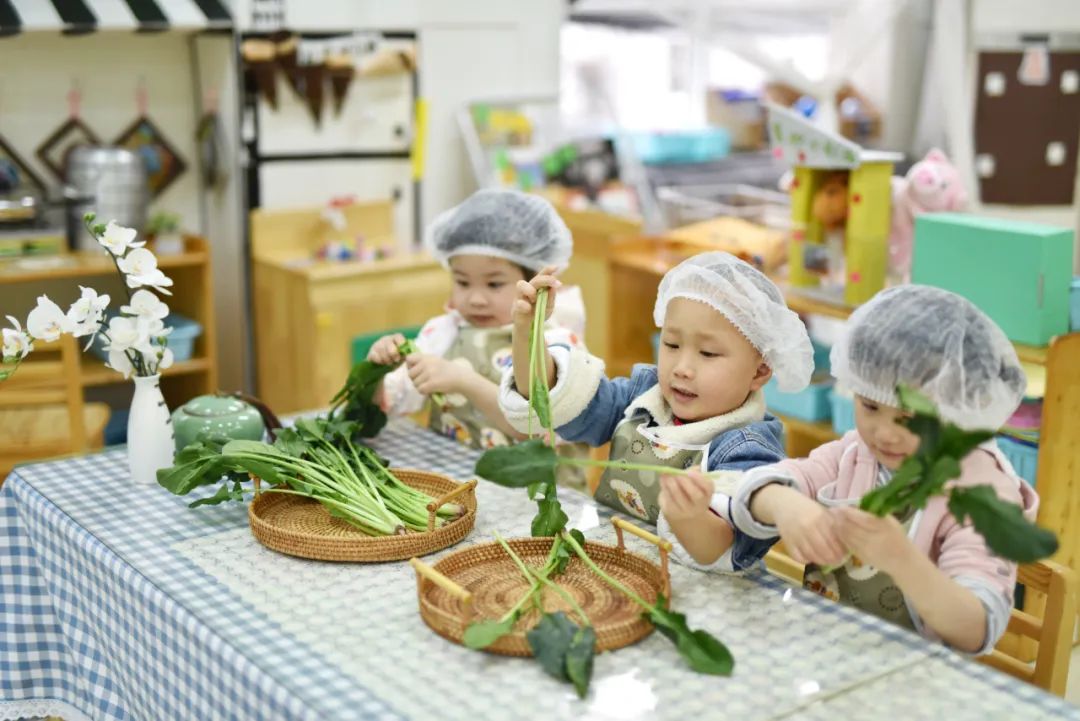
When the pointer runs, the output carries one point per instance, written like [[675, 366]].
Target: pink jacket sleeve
[[821, 467]]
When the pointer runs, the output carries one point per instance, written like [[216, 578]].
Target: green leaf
[[579, 659], [550, 518], [227, 492], [519, 465], [1002, 525], [289, 442], [550, 640], [538, 399], [701, 651], [912, 400], [481, 634], [534, 488]]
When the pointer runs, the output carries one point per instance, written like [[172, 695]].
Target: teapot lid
[[215, 406]]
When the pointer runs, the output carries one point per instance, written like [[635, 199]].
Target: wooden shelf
[[821, 431], [805, 305], [96, 373], [82, 264]]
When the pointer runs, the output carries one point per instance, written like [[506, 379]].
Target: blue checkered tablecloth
[[119, 602]]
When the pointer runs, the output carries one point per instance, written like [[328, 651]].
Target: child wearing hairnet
[[921, 570], [725, 331], [488, 243]]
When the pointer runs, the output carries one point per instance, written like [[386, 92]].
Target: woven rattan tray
[[482, 583], [302, 527]]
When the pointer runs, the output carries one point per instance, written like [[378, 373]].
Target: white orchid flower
[[86, 313], [17, 343], [124, 334], [118, 239], [160, 359], [151, 335], [140, 267], [47, 322], [144, 304], [119, 361]]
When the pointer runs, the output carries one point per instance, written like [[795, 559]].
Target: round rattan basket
[[303, 527], [483, 582]]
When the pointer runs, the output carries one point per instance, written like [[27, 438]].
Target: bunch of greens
[[316, 459], [355, 401], [563, 648], [925, 474]]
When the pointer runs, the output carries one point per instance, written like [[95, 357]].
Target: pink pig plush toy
[[932, 185]]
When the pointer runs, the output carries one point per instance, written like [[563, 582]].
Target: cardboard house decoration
[[839, 239]]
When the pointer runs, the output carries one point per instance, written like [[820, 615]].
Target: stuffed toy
[[932, 185]]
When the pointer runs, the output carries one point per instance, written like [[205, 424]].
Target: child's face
[[483, 289], [879, 427], [706, 366]]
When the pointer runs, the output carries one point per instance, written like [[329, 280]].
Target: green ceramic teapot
[[221, 413]]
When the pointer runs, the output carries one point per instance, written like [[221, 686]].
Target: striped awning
[[87, 16]]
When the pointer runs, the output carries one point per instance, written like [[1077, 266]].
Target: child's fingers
[[526, 290], [522, 307], [546, 281], [701, 483]]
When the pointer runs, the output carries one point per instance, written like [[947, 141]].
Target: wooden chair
[[42, 410], [1052, 634]]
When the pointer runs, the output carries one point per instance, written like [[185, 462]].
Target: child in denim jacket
[[725, 332]]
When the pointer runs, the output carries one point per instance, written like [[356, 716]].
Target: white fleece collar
[[699, 432]]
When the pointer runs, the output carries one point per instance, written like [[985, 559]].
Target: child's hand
[[385, 351], [525, 303], [808, 530], [434, 374], [878, 542], [685, 497]]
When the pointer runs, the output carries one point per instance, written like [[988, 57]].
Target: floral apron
[[863, 586], [487, 351], [638, 492]]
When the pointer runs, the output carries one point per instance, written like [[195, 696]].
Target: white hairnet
[[521, 228], [937, 343], [752, 303]]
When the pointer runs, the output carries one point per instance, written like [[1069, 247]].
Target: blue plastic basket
[[810, 404], [843, 413], [1023, 457], [1074, 304], [687, 146], [181, 341]]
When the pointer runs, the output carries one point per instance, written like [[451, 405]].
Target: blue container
[[181, 341], [810, 404], [843, 413], [1023, 457], [687, 146], [1074, 304]]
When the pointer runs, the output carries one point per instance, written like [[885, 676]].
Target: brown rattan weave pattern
[[493, 584], [303, 527]]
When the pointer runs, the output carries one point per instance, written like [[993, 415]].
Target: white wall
[[39, 69]]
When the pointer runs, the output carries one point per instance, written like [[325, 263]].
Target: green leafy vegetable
[[1007, 532], [482, 634], [519, 466], [316, 459], [701, 651], [550, 519], [925, 474], [564, 650]]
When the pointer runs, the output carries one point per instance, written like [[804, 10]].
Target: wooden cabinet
[[307, 312]]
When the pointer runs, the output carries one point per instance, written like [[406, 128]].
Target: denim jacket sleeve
[[596, 424], [758, 444]]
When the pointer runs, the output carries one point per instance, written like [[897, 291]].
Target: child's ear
[[761, 377]]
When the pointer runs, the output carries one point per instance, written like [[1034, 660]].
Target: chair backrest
[[52, 375], [1053, 632]]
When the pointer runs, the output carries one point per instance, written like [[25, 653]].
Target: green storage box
[[1017, 273]]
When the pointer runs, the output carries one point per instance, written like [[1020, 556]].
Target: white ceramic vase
[[150, 432]]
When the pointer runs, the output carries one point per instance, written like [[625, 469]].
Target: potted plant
[[164, 231]]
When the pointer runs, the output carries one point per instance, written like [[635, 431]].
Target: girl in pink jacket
[[922, 569]]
